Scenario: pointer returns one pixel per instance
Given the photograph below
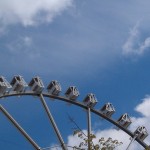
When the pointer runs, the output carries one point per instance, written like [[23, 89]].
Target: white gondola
[[141, 132], [4, 85], [72, 93], [18, 84], [90, 100], [124, 120], [54, 87], [108, 109], [36, 84]]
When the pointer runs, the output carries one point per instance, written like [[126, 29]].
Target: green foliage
[[103, 144], [147, 148]]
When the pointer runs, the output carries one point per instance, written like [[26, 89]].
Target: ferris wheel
[[19, 87]]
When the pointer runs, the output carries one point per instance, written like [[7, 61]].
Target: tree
[[103, 144]]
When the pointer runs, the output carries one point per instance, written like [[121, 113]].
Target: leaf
[[92, 136], [96, 147], [101, 139]]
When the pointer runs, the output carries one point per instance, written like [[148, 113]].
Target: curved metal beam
[[77, 103]]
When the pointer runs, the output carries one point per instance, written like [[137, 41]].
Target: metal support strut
[[53, 122], [14, 122], [89, 128], [132, 140]]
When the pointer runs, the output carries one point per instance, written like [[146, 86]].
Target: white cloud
[[31, 12], [144, 107], [133, 45], [119, 135]]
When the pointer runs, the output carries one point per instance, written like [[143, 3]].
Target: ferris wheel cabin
[[141, 132], [18, 84], [54, 87], [90, 100], [4, 85], [108, 109], [72, 93], [36, 84], [124, 120]]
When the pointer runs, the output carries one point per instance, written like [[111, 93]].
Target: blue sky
[[99, 46]]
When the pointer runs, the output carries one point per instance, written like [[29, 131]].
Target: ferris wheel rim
[[77, 103]]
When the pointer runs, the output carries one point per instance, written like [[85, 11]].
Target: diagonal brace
[[53, 122], [14, 122]]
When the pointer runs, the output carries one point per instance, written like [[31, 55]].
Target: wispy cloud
[[133, 45], [20, 43], [142, 108], [31, 12], [23, 45]]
